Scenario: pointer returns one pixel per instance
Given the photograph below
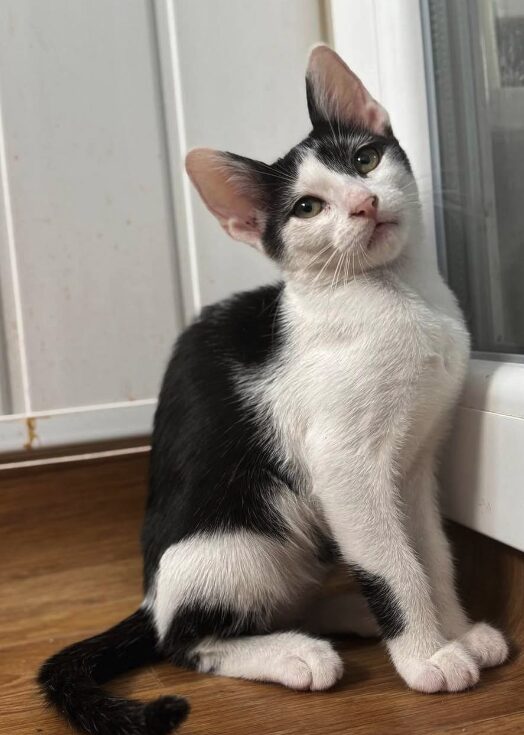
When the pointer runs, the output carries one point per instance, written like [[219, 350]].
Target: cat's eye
[[308, 207], [367, 159]]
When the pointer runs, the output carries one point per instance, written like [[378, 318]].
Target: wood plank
[[71, 567]]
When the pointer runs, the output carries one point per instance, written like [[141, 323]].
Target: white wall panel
[[13, 363], [76, 426], [105, 251], [242, 70], [91, 214]]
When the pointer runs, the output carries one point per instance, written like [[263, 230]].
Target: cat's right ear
[[230, 188], [335, 93]]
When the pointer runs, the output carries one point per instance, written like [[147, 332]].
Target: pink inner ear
[[339, 93], [227, 190]]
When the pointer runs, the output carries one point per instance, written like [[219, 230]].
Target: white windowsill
[[497, 387], [483, 465]]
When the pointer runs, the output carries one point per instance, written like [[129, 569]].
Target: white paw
[[451, 669], [486, 644], [311, 665]]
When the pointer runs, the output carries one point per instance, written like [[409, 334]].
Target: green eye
[[308, 207], [367, 159]]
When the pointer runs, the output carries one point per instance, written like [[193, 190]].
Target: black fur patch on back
[[211, 466], [382, 602]]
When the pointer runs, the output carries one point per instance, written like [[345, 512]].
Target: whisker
[[334, 279], [324, 266], [346, 268], [353, 263], [316, 257], [362, 270]]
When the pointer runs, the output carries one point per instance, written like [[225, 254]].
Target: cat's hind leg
[[220, 597]]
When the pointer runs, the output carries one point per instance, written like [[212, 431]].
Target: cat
[[299, 424]]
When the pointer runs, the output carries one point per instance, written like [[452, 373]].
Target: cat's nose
[[365, 206]]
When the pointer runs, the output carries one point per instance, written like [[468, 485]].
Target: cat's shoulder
[[245, 327]]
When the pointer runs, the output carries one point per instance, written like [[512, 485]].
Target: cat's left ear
[[335, 93], [230, 188]]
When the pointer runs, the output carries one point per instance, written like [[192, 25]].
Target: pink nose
[[364, 206]]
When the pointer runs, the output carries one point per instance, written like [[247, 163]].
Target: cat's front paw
[[486, 644], [451, 669]]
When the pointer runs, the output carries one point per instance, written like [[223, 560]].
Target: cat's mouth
[[381, 230]]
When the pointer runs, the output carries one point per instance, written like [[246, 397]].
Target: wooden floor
[[71, 567]]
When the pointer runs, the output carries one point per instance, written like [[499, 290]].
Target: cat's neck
[[414, 268], [414, 272]]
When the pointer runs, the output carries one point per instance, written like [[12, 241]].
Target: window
[[478, 70]]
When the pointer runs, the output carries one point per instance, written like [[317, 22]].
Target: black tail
[[70, 680]]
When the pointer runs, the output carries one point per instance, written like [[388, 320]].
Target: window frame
[[482, 467]]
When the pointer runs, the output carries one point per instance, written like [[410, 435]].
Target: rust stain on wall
[[32, 434]]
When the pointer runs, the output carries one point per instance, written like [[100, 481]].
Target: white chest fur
[[370, 368]]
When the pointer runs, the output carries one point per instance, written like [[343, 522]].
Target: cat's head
[[340, 202]]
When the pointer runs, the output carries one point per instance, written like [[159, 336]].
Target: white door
[[105, 253]]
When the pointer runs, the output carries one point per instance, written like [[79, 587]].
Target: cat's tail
[[71, 679]]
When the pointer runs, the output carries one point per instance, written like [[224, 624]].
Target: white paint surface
[[76, 426], [105, 255], [482, 478], [91, 222], [243, 91], [484, 464]]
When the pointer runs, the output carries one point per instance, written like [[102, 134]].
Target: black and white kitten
[[296, 423]]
